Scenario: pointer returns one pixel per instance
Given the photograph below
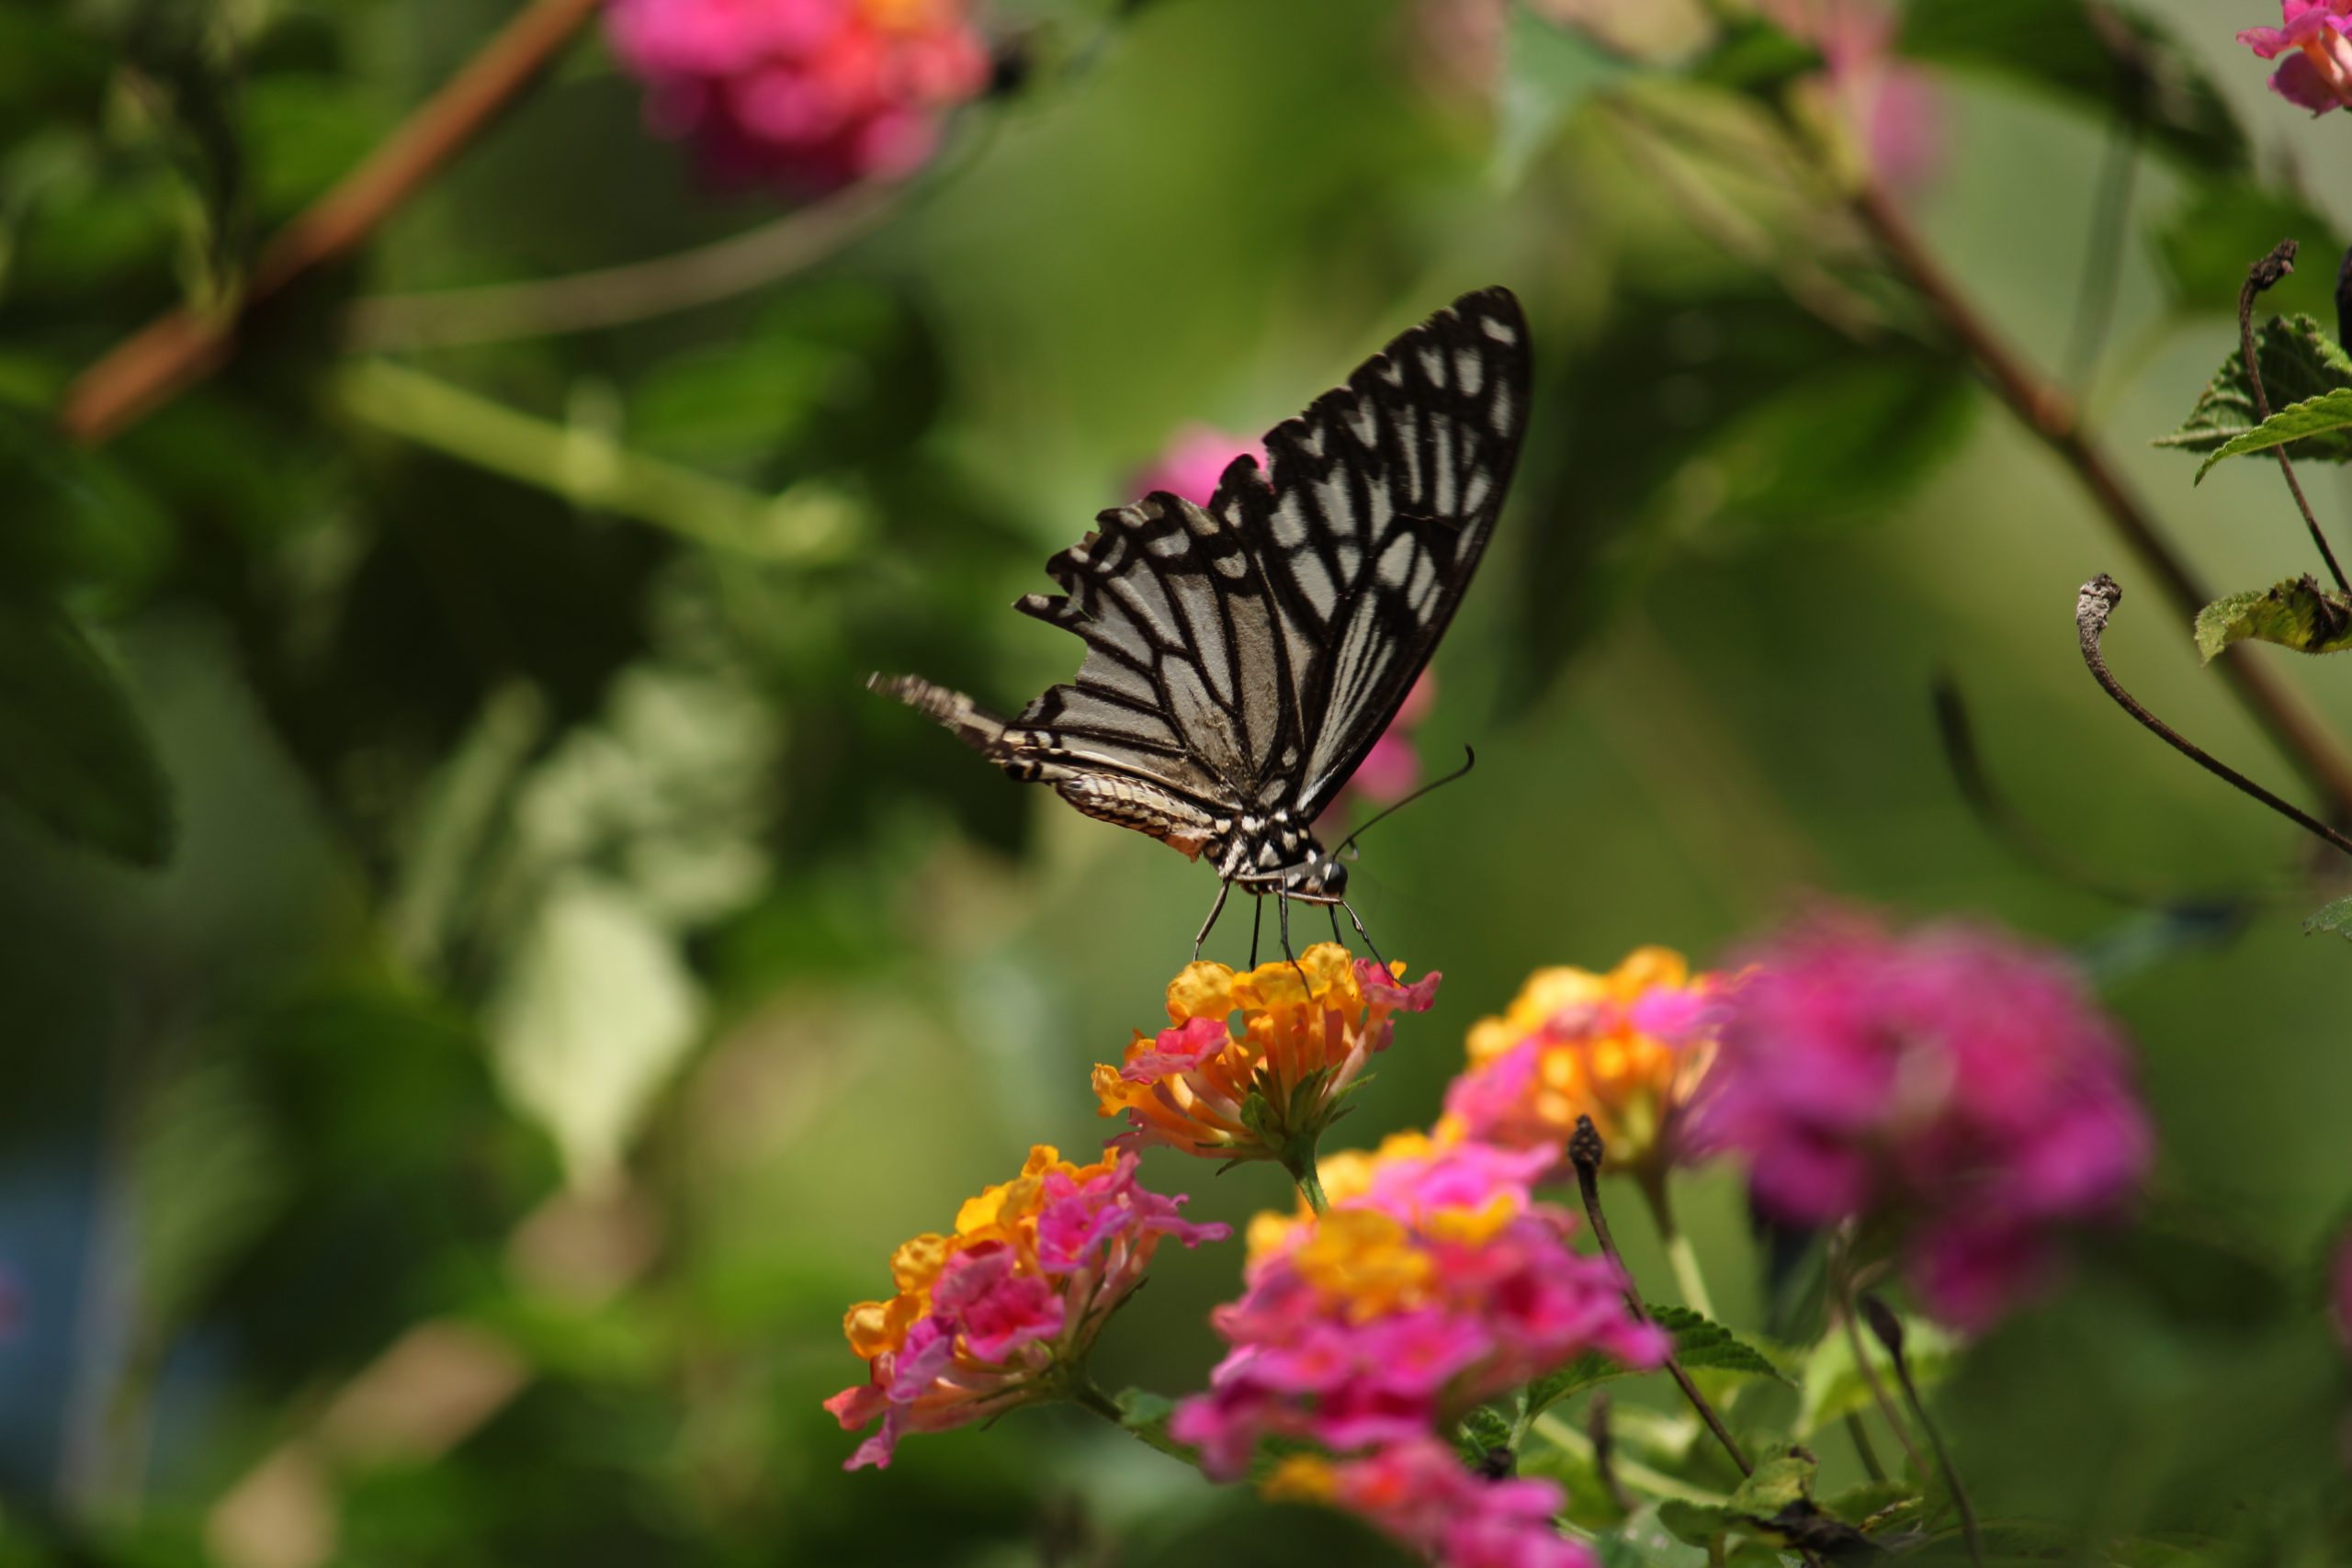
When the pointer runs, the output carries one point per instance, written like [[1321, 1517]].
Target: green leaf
[[2099, 58], [2204, 246], [1483, 1429], [1832, 1389], [1753, 56], [2335, 917], [1779, 1491], [2297, 613], [1258, 1116], [2322, 415], [74, 754], [1583, 1372], [1702, 1345], [2299, 361], [1866, 1501], [1548, 72]]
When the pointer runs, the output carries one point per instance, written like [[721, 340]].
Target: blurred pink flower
[[1418, 1492], [809, 94], [1191, 463], [1893, 108], [1434, 1281], [1954, 1080], [2318, 75]]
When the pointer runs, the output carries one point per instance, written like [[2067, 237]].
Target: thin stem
[[592, 471], [1300, 1163], [183, 346], [2095, 304], [1586, 1151], [2093, 604], [1560, 1434], [2047, 411], [2263, 275], [612, 296], [1680, 1258], [1082, 1391], [1864, 1449], [1888, 1328], [1842, 1310], [1604, 1451]]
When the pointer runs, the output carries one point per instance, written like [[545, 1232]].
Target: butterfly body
[[1243, 656]]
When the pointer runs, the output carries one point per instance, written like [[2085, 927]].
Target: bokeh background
[[464, 1057]]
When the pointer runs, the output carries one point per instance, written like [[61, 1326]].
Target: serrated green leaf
[[2297, 613], [1778, 1485], [2322, 415], [1484, 1429], [2102, 59], [1831, 1389], [2205, 244], [1582, 1373], [1866, 1501], [2299, 361], [1702, 1344], [74, 754], [2335, 917]]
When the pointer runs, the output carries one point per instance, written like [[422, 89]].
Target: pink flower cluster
[[987, 1318], [1418, 1492], [2317, 72], [1437, 1282], [1952, 1081], [807, 94]]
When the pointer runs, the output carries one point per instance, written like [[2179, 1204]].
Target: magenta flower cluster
[[1438, 1282], [1419, 1493], [806, 93], [2317, 72], [1952, 1081]]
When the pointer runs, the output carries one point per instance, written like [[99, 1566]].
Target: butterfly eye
[[1335, 878]]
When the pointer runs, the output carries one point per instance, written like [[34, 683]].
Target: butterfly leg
[[1333, 910], [1223, 889], [1257, 918], [1358, 921], [1281, 912]]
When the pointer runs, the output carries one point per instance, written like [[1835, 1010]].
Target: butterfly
[[1242, 657]]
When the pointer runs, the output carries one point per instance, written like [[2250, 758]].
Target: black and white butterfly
[[1243, 656]]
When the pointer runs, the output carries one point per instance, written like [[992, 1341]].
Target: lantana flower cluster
[[2315, 36], [806, 93], [1952, 1082], [1628, 1048], [1418, 1492], [999, 1313], [1266, 1092], [1432, 1281]]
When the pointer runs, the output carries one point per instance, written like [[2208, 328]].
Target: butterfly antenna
[[1358, 921], [1469, 760]]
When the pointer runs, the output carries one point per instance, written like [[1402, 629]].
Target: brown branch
[[181, 347], [2047, 411]]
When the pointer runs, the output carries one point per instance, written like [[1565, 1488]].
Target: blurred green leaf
[[592, 1018], [1708, 417], [2102, 59], [2322, 415], [1753, 56], [1833, 1388], [74, 516], [2334, 916], [2205, 244], [1482, 1431], [1702, 1345], [1548, 70], [209, 1175], [2296, 613], [74, 753], [2300, 361]]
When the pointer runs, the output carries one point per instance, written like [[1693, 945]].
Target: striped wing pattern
[[1243, 656]]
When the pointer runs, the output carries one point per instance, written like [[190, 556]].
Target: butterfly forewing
[[1383, 494]]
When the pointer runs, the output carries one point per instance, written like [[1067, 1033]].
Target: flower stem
[[1300, 1163], [1680, 1255], [1084, 1391], [1586, 1151], [1887, 1329]]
